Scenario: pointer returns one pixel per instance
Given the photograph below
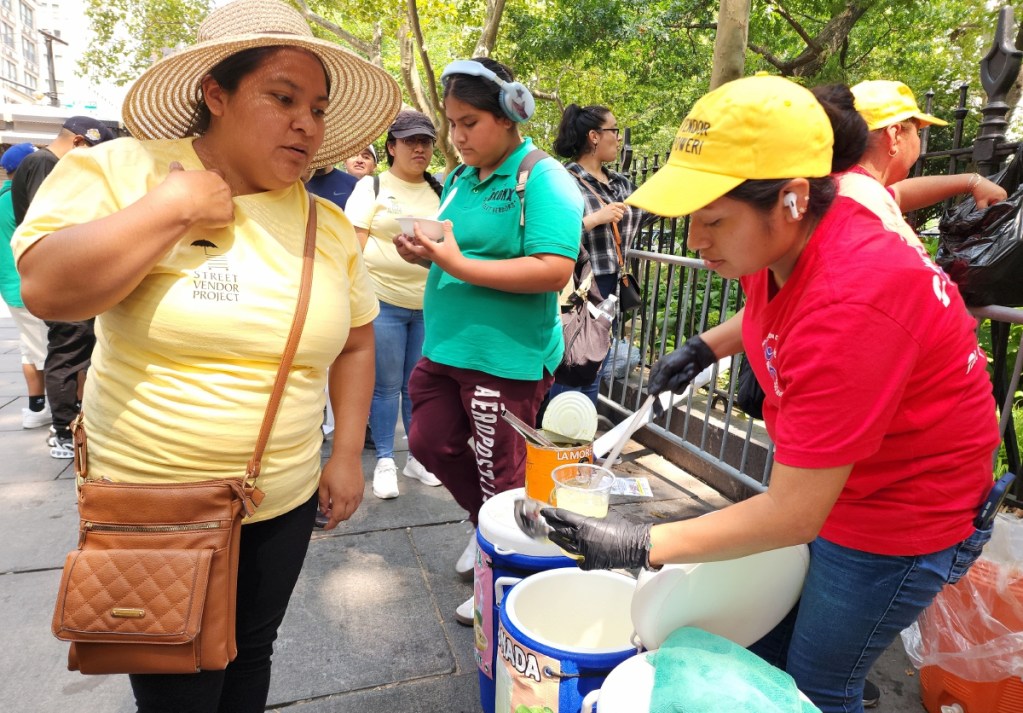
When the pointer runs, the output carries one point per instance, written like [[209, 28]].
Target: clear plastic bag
[[974, 629], [623, 359]]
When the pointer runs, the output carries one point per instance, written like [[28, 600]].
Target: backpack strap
[[525, 168], [376, 185], [530, 160], [457, 172]]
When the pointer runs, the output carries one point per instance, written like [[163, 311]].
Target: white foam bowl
[[433, 229]]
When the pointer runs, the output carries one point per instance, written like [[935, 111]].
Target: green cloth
[[10, 281], [697, 672], [505, 334]]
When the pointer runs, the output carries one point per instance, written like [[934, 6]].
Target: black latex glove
[[674, 371], [604, 543]]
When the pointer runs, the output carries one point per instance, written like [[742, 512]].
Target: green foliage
[[129, 35], [1001, 461], [649, 60]]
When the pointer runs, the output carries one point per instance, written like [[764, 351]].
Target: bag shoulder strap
[[614, 226], [253, 496], [525, 168], [290, 347]]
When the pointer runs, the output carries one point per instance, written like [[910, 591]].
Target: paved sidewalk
[[370, 628]]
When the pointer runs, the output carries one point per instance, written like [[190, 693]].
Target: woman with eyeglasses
[[405, 188], [590, 137]]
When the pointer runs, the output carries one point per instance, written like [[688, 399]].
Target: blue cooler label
[[483, 612], [527, 682]]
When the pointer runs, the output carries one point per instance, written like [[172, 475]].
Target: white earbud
[[789, 199]]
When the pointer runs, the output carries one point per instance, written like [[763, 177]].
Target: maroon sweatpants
[[450, 405]]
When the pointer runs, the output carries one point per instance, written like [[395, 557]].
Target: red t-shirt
[[868, 356]]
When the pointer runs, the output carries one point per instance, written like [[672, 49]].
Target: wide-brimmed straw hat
[[364, 99]]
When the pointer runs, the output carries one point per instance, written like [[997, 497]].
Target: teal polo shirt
[[10, 281], [505, 334]]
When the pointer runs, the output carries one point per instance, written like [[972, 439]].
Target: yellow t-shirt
[[397, 282], [184, 365]]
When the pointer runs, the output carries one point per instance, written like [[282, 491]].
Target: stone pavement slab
[[34, 664], [451, 694]]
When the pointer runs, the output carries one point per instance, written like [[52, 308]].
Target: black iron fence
[[707, 434]]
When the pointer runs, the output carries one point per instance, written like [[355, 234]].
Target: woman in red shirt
[[877, 400]]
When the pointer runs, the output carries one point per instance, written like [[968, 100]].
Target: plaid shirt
[[600, 241]]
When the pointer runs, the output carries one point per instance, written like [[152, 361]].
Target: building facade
[[22, 63]]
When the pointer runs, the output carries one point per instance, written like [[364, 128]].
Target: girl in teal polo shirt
[[493, 333]]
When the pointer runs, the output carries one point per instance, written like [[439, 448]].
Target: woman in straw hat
[[877, 398], [187, 243]]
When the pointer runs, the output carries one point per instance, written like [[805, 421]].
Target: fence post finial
[[998, 71]]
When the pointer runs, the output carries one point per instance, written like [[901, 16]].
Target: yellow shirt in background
[[397, 282], [184, 366]]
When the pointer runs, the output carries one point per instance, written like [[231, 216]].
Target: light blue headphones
[[516, 101]]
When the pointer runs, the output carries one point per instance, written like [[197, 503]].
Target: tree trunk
[[730, 42], [488, 37]]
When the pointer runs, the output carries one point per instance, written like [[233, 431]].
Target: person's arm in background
[[80, 271], [350, 384], [915, 193], [609, 213]]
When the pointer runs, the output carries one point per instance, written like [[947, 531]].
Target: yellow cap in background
[[882, 103]]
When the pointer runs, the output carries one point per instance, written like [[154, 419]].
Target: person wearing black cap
[[76, 131], [405, 188], [69, 344]]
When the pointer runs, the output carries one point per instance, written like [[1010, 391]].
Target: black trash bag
[[982, 250]]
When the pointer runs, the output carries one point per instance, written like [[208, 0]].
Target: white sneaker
[[61, 446], [466, 564], [35, 419], [464, 612], [385, 479], [415, 469]]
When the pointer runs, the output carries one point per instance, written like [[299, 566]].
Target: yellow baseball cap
[[752, 128], [882, 103]]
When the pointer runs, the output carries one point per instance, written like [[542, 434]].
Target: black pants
[[68, 352], [270, 560]]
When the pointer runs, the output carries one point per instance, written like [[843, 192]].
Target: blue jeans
[[399, 345], [852, 607]]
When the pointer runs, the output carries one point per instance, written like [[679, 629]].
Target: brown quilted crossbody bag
[[153, 583]]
